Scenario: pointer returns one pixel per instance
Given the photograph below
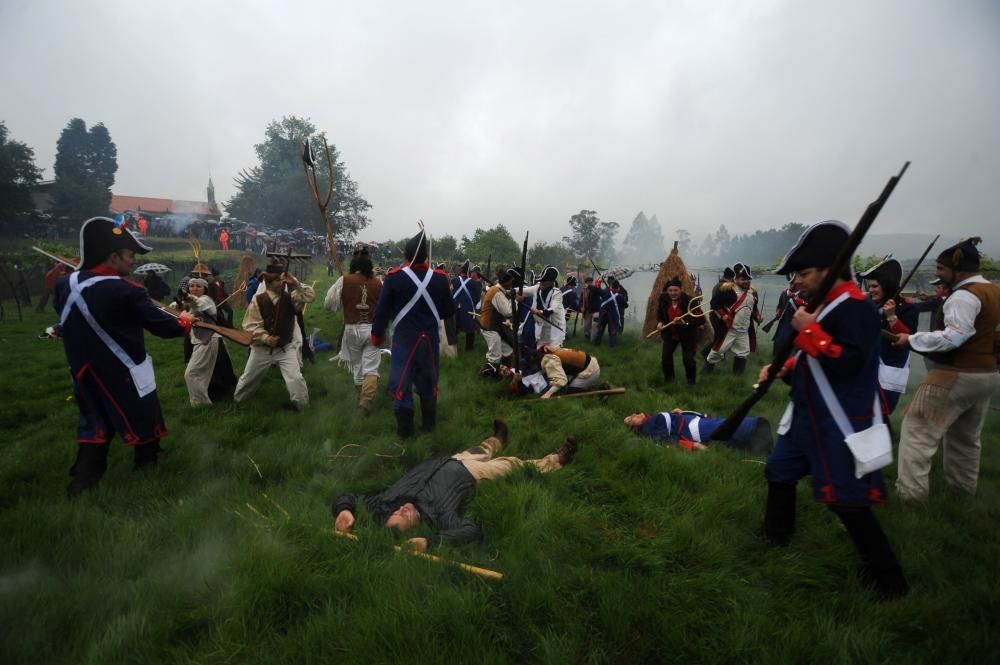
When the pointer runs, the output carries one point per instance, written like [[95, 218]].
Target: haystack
[[672, 267]]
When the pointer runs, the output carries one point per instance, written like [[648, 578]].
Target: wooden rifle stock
[[239, 336], [784, 348]]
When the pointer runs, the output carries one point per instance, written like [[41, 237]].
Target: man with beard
[[833, 410], [953, 399]]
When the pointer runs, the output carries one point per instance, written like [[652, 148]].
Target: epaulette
[[393, 271], [753, 291], [441, 272], [726, 287], [135, 284]]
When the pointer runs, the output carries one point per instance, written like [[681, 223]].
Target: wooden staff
[[307, 164], [589, 393], [693, 310], [241, 337], [475, 570]]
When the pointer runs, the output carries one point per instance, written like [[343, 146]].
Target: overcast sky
[[748, 114]]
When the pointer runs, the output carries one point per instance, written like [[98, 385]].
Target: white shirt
[[741, 318], [332, 300], [960, 311]]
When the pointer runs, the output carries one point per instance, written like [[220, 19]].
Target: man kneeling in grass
[[437, 491], [694, 430]]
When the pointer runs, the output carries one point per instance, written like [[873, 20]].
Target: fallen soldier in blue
[[693, 430]]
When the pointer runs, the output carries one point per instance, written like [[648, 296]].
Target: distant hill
[[911, 245]]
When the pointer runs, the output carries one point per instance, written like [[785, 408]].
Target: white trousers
[[261, 359], [358, 351], [737, 342], [496, 348], [198, 374]]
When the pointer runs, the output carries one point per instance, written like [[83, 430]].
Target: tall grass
[[634, 553]]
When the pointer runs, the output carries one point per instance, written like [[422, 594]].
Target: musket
[[59, 259], [599, 273], [902, 285], [516, 304], [784, 348]]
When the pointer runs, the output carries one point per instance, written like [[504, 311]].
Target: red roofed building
[[156, 207]]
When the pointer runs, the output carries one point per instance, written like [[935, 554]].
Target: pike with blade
[[309, 166]]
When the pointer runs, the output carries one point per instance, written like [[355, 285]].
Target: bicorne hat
[[817, 247], [99, 237]]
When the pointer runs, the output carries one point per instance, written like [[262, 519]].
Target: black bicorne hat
[[888, 273], [416, 248], [99, 237], [549, 274], [512, 274], [571, 280], [728, 274], [817, 247], [465, 267], [742, 270]]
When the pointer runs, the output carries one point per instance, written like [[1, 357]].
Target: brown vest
[[359, 297], [573, 361], [980, 351], [487, 319], [279, 319]]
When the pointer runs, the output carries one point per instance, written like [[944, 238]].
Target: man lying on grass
[[436, 491], [693, 430], [558, 372]]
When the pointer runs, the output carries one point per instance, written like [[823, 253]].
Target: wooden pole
[[475, 570]]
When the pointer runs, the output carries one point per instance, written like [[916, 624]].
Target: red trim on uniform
[[827, 491], [398, 395], [815, 341], [845, 287], [376, 341], [186, 324], [105, 271], [130, 437], [899, 327], [789, 365]]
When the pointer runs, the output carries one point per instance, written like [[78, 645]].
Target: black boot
[[779, 519], [739, 365], [404, 423], [91, 463], [428, 415], [146, 454], [879, 566]]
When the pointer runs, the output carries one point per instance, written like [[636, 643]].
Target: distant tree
[[274, 192], [18, 174], [644, 241], [590, 237], [496, 242], [445, 248], [556, 254], [86, 163]]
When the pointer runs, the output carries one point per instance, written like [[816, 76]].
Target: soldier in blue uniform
[[693, 430], [614, 301], [834, 379], [897, 316], [102, 318], [466, 291], [415, 299]]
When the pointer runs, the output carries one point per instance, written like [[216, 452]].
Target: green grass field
[[635, 553]]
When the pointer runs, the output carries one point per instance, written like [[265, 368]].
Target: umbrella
[[618, 272], [158, 268]]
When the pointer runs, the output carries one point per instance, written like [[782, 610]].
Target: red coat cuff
[[815, 341], [376, 341], [789, 365], [186, 324], [899, 327]]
